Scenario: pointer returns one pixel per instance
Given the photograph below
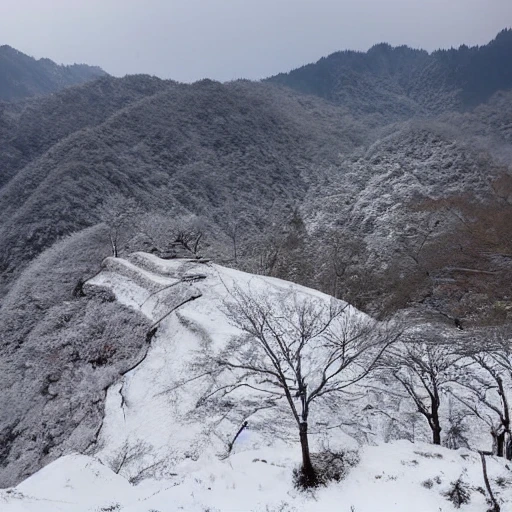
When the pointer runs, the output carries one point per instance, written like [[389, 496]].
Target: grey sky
[[224, 39]]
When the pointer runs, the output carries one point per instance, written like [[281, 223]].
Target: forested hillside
[[22, 76], [29, 128], [189, 149]]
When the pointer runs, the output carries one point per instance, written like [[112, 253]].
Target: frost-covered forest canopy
[[381, 181]]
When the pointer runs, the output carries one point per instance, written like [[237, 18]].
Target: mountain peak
[[22, 76], [456, 78], [505, 36]]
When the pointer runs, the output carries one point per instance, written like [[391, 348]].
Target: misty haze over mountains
[[382, 178]]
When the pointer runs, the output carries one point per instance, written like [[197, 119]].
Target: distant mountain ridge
[[22, 76], [399, 82]]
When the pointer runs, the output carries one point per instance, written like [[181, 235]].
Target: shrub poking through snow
[[329, 466], [428, 484], [281, 507], [459, 493], [429, 455]]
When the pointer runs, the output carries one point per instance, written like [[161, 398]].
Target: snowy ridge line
[[158, 266], [186, 279], [142, 277], [145, 290]]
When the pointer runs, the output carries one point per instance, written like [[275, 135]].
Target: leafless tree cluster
[[471, 368], [301, 352], [171, 235], [484, 388], [424, 367], [118, 214]]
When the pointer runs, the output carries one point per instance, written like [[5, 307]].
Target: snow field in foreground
[[396, 477]]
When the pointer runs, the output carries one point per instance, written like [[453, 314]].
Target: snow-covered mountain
[[158, 451]]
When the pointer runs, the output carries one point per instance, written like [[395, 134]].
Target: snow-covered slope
[[394, 477], [158, 452], [151, 419]]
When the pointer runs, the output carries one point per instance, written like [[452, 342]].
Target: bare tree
[[424, 368], [344, 250], [300, 350], [156, 232], [164, 234], [487, 398], [234, 221], [117, 212], [189, 237], [232, 230], [266, 252], [282, 248]]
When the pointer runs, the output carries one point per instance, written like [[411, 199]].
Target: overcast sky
[[225, 39]]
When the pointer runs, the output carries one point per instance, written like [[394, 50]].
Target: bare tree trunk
[[308, 472], [505, 421], [434, 420], [235, 256], [500, 444], [435, 427], [436, 435], [496, 507], [240, 430], [508, 447], [494, 442], [113, 243]]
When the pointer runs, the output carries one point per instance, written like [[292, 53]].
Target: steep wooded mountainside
[[60, 350], [397, 83], [188, 148], [22, 76], [29, 128], [412, 205]]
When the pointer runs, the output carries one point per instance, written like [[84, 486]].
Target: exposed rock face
[[54, 385]]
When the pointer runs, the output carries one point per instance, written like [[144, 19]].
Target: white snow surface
[[394, 477], [157, 454]]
